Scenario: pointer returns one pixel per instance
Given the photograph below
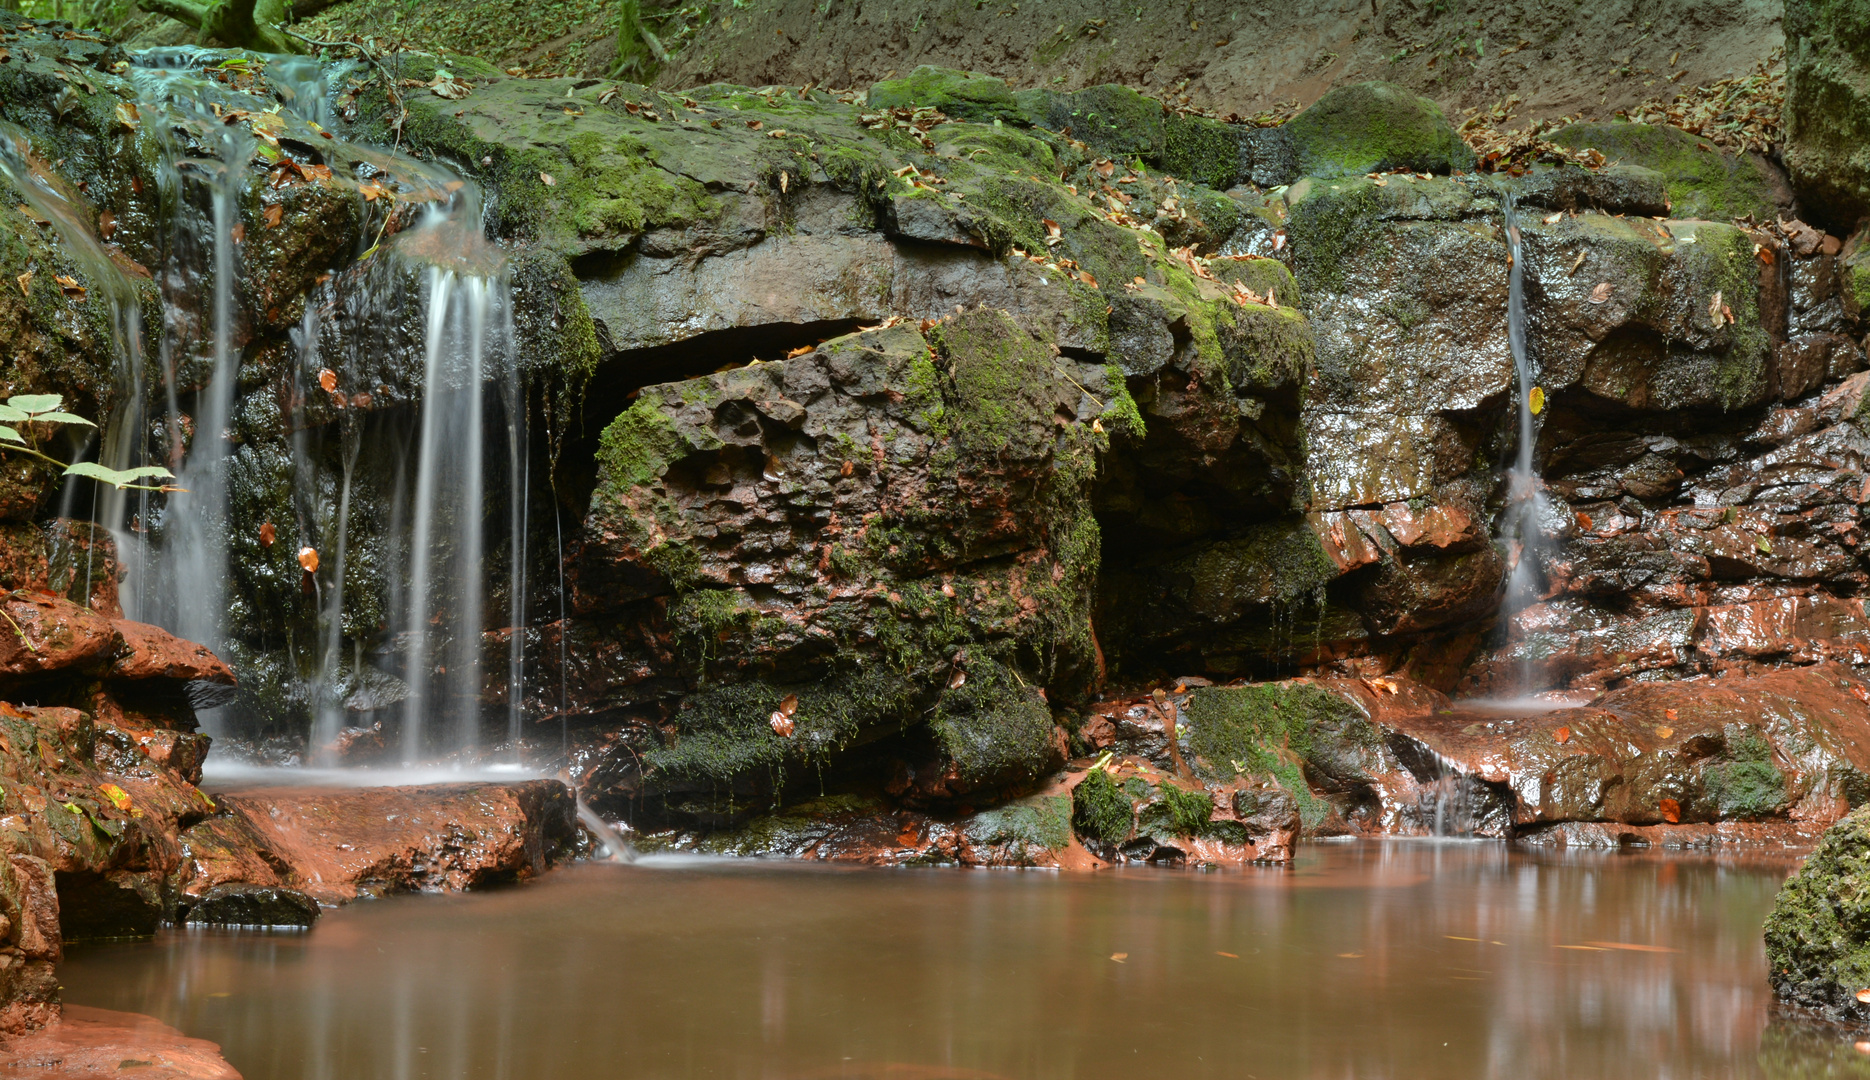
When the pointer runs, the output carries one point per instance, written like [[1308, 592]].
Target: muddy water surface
[[1367, 960]]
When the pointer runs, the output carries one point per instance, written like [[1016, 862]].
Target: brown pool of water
[[1366, 960]]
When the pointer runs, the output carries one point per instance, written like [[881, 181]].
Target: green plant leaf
[[116, 477], [36, 403], [10, 415], [62, 418], [10, 435]]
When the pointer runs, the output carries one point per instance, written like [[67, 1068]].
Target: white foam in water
[[239, 773]]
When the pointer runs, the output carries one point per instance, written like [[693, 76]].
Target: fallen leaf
[[1665, 733], [1714, 308], [546, 179], [127, 115], [1561, 735], [781, 724], [268, 534], [956, 680], [1535, 401], [756, 124], [118, 797], [1601, 293], [106, 225], [69, 286], [238, 232], [1553, 219], [1120, 957], [1230, 956], [273, 215], [308, 558], [1584, 520], [847, 468], [328, 379], [25, 283], [790, 705], [1671, 811], [785, 181], [1862, 1046], [1669, 714]]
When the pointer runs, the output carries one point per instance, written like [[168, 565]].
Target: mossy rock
[[1102, 812], [1818, 933], [1372, 127], [1028, 828], [964, 95], [995, 728], [1702, 181], [1114, 121], [1827, 107]]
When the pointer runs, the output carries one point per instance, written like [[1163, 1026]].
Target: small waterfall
[[398, 506], [1526, 500]]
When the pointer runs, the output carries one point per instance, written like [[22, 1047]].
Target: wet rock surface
[[90, 1043], [269, 849]]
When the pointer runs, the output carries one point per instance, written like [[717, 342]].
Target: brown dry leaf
[[546, 179], [1714, 308], [268, 534], [25, 283], [1561, 735], [1671, 811], [1863, 996], [69, 286], [1600, 294], [1584, 520], [127, 115], [1765, 254], [328, 379], [372, 191], [106, 225], [308, 558], [1120, 957], [785, 181], [1665, 733], [790, 705], [1085, 276], [800, 351], [781, 724], [273, 215], [1669, 714], [847, 468], [1862, 1046], [756, 124], [238, 232], [1553, 219], [1279, 239], [957, 680], [1230, 956]]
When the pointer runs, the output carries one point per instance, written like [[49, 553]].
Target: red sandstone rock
[[87, 1043], [50, 633], [337, 844], [150, 652]]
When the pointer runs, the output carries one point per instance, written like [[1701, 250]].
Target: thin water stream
[[1366, 960]]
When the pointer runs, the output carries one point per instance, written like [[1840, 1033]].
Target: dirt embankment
[[1559, 56]]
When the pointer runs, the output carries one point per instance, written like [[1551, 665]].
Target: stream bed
[[1366, 959]]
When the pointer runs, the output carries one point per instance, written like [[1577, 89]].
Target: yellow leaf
[[25, 283], [1535, 401], [546, 179], [117, 796]]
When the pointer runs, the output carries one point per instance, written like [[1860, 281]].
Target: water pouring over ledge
[[351, 511]]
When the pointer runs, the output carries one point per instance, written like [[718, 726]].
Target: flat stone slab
[[87, 1043]]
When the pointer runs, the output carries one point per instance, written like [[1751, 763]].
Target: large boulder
[[1818, 934], [1827, 107], [1702, 180], [1375, 127]]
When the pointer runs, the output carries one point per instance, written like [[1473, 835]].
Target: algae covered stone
[[1374, 126], [1818, 934], [1702, 181], [963, 95], [1827, 107]]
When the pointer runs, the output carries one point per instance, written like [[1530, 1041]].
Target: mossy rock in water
[[996, 729], [1818, 934], [1026, 829], [1100, 810], [1702, 182], [1290, 730], [1374, 126], [1827, 106], [964, 95]]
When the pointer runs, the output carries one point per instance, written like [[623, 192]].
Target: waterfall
[[1526, 501], [394, 507]]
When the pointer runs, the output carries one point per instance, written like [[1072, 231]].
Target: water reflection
[[1368, 960]]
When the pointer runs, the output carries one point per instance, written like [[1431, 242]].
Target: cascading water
[[391, 508], [1526, 500]]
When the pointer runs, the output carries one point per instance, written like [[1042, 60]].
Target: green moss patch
[[1102, 811], [960, 94], [1373, 127], [1702, 181]]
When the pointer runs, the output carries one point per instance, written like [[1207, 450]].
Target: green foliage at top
[[1702, 181], [1372, 127], [1101, 810]]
